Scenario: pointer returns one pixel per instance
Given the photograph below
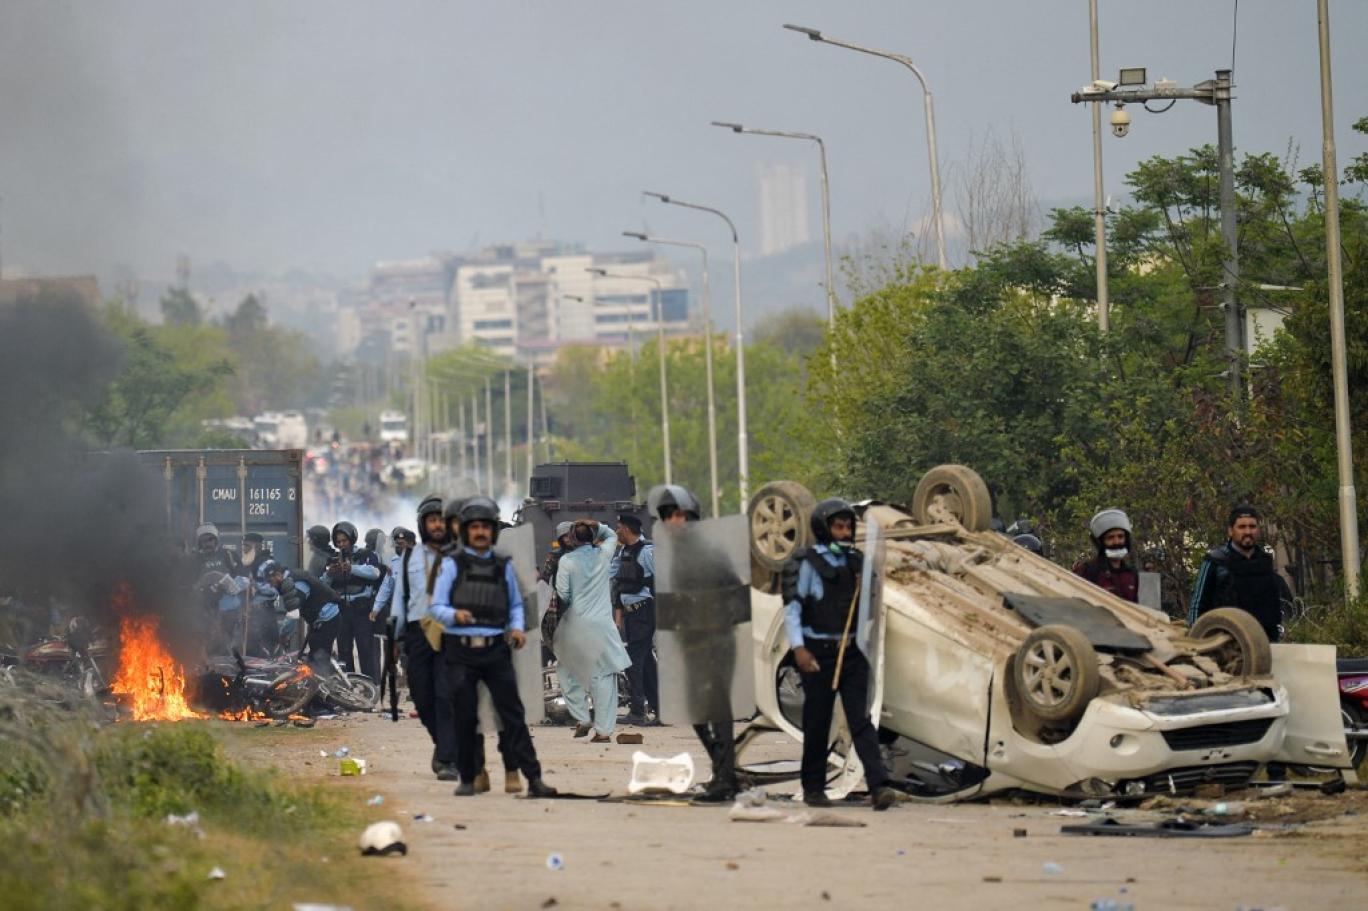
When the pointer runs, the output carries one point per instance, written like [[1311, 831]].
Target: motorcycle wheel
[[1354, 721], [292, 698], [352, 693]]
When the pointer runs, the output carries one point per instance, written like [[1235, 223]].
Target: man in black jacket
[[316, 602], [1240, 573]]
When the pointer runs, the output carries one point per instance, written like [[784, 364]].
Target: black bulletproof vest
[[1256, 587], [828, 614], [631, 576], [482, 588]]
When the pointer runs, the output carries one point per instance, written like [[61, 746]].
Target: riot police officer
[[476, 599], [355, 574], [633, 573], [821, 589], [317, 604]]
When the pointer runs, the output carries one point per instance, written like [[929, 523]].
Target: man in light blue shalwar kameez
[[588, 645]]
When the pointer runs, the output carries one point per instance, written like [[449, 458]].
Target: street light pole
[[928, 109], [707, 357], [742, 443], [1099, 201], [826, 201], [1214, 92], [1344, 452], [531, 429], [660, 343]]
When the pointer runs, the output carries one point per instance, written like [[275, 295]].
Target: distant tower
[[783, 207], [183, 271]]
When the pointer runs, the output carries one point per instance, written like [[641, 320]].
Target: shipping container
[[238, 490]]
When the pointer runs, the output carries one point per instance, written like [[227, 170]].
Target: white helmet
[[1108, 519], [382, 838]]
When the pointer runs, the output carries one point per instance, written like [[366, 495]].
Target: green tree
[[179, 308]]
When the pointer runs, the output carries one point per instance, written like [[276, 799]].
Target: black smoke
[[75, 525]]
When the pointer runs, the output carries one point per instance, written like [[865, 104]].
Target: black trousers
[[429, 690], [355, 630], [643, 677], [716, 737], [819, 703], [492, 665], [318, 645]]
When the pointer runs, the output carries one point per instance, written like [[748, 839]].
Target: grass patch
[[83, 810]]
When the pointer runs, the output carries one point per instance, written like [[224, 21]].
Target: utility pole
[[475, 437], [508, 431], [1215, 92], [489, 439], [1344, 452], [1099, 200], [531, 430], [465, 464]]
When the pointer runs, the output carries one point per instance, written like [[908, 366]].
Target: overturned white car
[[997, 669]]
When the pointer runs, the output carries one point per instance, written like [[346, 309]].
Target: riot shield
[[703, 630], [517, 544]]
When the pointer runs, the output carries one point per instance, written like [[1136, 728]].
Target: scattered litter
[[1277, 790], [733, 865], [423, 817], [902, 852], [341, 753], [352, 766], [376, 800], [630, 738], [381, 839], [1018, 833], [217, 873], [324, 717], [823, 820], [1050, 868], [650, 773], [992, 879], [550, 902], [190, 819], [555, 862], [1070, 813], [1234, 808], [826, 896], [323, 753], [460, 826], [753, 806], [742, 813], [304, 722]]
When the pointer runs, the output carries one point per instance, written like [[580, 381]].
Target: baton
[[845, 637]]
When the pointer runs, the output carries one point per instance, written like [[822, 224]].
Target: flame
[[152, 682]]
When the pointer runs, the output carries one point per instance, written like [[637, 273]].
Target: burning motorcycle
[[82, 656], [244, 687]]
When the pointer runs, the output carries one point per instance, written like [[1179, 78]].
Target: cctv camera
[[1120, 122], [1103, 85]]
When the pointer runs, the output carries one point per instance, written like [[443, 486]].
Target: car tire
[[1353, 721], [953, 493], [1055, 673], [778, 516], [1248, 653]]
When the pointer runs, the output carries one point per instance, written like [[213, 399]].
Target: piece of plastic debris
[[1018, 833], [349, 767], [1233, 808], [1067, 812], [381, 839], [217, 873], [752, 797], [650, 773], [423, 817], [341, 752], [824, 820], [323, 753], [190, 819], [742, 813], [324, 717], [1050, 868], [376, 800], [555, 862]]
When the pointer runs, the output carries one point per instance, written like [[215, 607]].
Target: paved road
[[623, 856]]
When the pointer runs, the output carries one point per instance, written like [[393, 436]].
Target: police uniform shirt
[[445, 614]]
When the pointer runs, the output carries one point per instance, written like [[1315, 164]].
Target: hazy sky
[[278, 133]]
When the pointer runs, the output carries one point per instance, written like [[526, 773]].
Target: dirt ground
[[492, 851]]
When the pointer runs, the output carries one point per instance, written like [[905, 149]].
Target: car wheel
[[953, 493], [1353, 723], [778, 515], [1055, 672], [1245, 651]]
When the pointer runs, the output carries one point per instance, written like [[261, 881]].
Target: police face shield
[[703, 629], [518, 544]]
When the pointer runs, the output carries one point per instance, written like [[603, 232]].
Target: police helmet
[[319, 536], [400, 533], [268, 567], [1107, 520], [347, 529], [431, 505], [374, 537], [383, 838], [477, 508], [1031, 543], [824, 512], [664, 499]]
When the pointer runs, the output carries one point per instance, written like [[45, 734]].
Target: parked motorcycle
[[1353, 687], [81, 656]]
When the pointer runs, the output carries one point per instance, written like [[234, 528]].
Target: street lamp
[[660, 342], [707, 354], [742, 455], [928, 108], [826, 200]]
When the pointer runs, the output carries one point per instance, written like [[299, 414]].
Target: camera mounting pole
[[1216, 92]]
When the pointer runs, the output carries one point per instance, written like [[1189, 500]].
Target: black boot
[[816, 799], [465, 789], [883, 797], [538, 788], [446, 771], [717, 792]]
